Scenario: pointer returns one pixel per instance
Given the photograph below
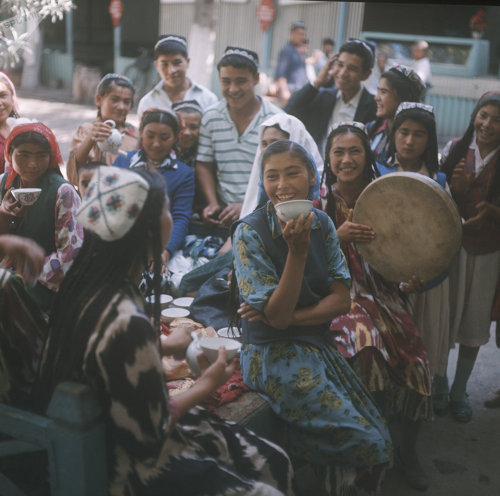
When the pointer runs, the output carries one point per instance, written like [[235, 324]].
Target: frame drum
[[418, 229]]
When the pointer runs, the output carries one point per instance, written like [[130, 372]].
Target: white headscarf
[[299, 134]]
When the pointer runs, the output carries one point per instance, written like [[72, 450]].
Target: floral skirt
[[332, 419]]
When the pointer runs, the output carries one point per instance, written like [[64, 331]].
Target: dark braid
[[101, 271]]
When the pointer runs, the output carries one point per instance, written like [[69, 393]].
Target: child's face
[[172, 68], [116, 104], [188, 137], [487, 126], [84, 178], [347, 157], [158, 139], [410, 141], [31, 162], [238, 86], [286, 178]]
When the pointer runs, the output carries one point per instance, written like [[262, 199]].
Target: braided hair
[[328, 178], [101, 271]]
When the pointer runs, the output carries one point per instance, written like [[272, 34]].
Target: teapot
[[113, 142], [193, 350]]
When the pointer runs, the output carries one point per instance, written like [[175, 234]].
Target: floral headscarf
[[36, 127]]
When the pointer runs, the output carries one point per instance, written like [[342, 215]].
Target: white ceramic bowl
[[184, 302], [229, 332], [210, 347], [172, 313], [26, 196], [292, 209], [165, 300]]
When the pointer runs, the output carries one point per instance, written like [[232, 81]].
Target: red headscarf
[[36, 127]]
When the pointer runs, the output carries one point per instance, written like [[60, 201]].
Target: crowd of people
[[344, 357]]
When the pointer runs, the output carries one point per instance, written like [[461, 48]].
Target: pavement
[[460, 459]]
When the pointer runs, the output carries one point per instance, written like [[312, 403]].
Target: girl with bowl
[[33, 161], [292, 280]]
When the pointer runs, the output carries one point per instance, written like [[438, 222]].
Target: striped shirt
[[233, 154]]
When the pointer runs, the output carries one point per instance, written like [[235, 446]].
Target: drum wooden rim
[[418, 229]]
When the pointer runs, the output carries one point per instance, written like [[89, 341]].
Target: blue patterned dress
[[333, 422]]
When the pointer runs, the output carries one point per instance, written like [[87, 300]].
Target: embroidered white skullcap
[[114, 199]]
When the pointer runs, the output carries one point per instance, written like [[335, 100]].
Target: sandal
[[440, 404], [461, 410]]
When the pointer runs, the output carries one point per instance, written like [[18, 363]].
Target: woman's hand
[[219, 372], [350, 232], [100, 131], [297, 233], [23, 253], [248, 312], [10, 206], [460, 180]]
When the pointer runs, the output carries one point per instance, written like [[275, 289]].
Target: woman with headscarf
[[9, 107], [292, 280], [278, 126], [472, 166], [396, 85], [33, 161]]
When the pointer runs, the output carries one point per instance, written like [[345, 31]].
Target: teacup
[[292, 209], [113, 142], [26, 196]]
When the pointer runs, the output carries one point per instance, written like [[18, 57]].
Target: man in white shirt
[[318, 106], [421, 63], [172, 62]]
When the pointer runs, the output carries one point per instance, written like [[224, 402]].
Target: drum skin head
[[417, 226]]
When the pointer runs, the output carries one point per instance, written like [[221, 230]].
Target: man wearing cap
[[229, 137], [319, 106], [172, 62], [291, 72], [421, 63]]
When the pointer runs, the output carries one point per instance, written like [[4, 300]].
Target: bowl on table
[[210, 347], [292, 209], [184, 302], [26, 196], [171, 313], [165, 300]]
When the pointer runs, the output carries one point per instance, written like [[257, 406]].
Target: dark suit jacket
[[314, 108]]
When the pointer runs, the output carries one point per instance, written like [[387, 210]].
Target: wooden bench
[[72, 433]]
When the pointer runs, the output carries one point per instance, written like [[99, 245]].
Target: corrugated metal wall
[[236, 23]]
